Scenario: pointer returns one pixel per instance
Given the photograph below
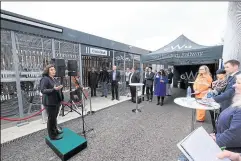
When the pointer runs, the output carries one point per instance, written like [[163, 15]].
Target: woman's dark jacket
[[229, 128], [93, 79], [51, 97]]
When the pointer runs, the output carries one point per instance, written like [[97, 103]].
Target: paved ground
[[119, 134], [10, 131]]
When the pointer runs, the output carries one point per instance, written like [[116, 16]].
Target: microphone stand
[[82, 110]]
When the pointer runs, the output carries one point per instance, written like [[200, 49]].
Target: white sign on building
[[98, 51]]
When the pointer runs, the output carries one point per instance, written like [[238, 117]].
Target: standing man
[[115, 78], [169, 77], [144, 82], [127, 76], [128, 72], [93, 81], [134, 78], [149, 84], [104, 78], [225, 98]]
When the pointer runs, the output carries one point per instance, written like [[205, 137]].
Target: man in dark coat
[[114, 79], [225, 98], [149, 84], [93, 81], [169, 77], [134, 78], [104, 79], [144, 82]]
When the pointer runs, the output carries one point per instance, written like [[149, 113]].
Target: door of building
[[89, 62]]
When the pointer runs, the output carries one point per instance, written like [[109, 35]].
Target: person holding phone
[[52, 97]]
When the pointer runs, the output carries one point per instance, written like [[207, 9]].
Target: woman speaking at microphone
[[52, 97]]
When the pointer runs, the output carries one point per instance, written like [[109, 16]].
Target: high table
[[136, 85], [194, 105]]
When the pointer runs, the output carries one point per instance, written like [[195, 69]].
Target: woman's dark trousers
[[213, 120], [93, 91], [52, 112]]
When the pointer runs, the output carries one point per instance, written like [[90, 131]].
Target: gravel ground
[[119, 135]]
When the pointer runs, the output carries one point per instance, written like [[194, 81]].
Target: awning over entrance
[[183, 51]]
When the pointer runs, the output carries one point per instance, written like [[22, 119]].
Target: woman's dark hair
[[162, 72], [220, 71], [46, 70]]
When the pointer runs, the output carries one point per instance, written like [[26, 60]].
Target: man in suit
[[169, 76], [225, 98], [144, 82], [104, 78], [134, 78], [149, 84], [115, 78]]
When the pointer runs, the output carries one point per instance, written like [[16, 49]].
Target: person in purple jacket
[[160, 81], [228, 125]]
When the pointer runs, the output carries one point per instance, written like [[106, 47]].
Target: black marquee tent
[[183, 51]]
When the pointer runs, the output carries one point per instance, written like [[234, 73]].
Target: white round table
[[136, 85], [194, 105]]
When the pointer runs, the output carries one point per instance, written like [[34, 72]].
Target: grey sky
[[148, 25]]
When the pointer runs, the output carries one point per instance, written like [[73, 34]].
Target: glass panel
[[34, 53], [129, 60], [9, 101], [6, 53], [137, 65], [119, 62]]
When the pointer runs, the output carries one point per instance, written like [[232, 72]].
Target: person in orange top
[[201, 86]]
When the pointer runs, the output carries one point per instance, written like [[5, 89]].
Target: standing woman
[[201, 86], [52, 97], [160, 86]]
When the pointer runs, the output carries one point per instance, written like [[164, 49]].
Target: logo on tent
[[189, 76], [178, 47]]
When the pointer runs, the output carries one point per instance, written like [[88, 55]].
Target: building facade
[[28, 45], [232, 38]]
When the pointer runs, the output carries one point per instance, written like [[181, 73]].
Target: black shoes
[[59, 130], [161, 103], [58, 137], [158, 103], [112, 99], [102, 96]]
